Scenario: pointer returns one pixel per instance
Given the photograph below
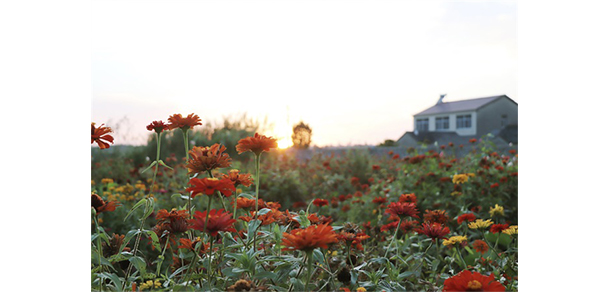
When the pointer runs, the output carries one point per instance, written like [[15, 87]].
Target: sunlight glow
[[284, 142]]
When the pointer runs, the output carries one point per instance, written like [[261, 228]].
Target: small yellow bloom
[[460, 178], [361, 289], [496, 211], [470, 174], [92, 182], [374, 211], [480, 224], [107, 180], [456, 194], [453, 240], [512, 230]]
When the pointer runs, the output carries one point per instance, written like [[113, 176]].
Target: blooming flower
[[480, 246], [219, 220], [100, 134], [433, 230], [210, 185], [192, 244], [496, 211], [239, 178], [466, 217], [204, 159], [309, 238], [469, 281], [512, 230], [460, 178], [352, 238], [320, 202], [402, 210], [412, 198], [257, 144], [379, 200], [454, 240], [157, 126], [101, 206], [175, 221], [176, 121], [480, 224], [498, 228], [438, 216]]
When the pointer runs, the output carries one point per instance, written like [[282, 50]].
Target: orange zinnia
[[207, 158], [469, 281], [402, 209], [101, 206], [157, 126], [237, 178], [436, 216], [177, 121], [309, 238], [174, 221], [100, 134], [219, 220], [210, 185], [257, 144]]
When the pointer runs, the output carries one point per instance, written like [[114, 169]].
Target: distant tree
[[301, 135], [388, 143]]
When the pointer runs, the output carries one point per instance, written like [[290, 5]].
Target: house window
[[442, 123], [504, 121], [463, 121], [421, 124]]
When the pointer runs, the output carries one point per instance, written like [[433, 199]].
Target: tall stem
[[99, 248], [393, 238], [309, 268], [258, 179], [210, 272], [185, 135]]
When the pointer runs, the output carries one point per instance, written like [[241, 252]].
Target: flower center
[[474, 285]]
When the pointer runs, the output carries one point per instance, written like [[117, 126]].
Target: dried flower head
[[100, 136]]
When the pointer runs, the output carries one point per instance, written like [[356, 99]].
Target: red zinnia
[[380, 200], [498, 228], [157, 126], [473, 140], [174, 221], [100, 134], [469, 281], [434, 230], [257, 144], [219, 220], [177, 121], [204, 159], [466, 217], [320, 202], [210, 185], [376, 167], [408, 198], [480, 246], [309, 238], [402, 210]]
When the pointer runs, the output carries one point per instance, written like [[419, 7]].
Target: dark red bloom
[[376, 167], [100, 134], [320, 202], [480, 246], [157, 126], [210, 185], [102, 206], [473, 140], [379, 200], [469, 217], [174, 221], [469, 281], [219, 220], [434, 230], [412, 198], [496, 228], [237, 178], [402, 210]]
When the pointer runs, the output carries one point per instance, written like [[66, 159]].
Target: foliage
[[301, 135]]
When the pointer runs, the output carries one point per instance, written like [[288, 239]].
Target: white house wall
[[452, 123]]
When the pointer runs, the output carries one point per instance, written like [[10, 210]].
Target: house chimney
[[440, 100]]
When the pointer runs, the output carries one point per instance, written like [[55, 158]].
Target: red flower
[[204, 159], [352, 238], [436, 216], [495, 185], [309, 238], [498, 228], [100, 134], [434, 230], [210, 185], [469, 281], [101, 206], [157, 126], [473, 140], [466, 217], [174, 221], [320, 202], [402, 210], [408, 198], [191, 244], [355, 181], [379, 200], [219, 220], [376, 167], [257, 144], [176, 121], [480, 246]]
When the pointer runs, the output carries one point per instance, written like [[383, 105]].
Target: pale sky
[[355, 71]]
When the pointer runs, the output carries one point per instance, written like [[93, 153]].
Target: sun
[[284, 143]]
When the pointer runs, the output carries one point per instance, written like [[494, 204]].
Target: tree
[[388, 143], [301, 135]]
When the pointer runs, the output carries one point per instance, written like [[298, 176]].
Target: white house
[[459, 121]]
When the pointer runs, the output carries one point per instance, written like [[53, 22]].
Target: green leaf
[[116, 281], [155, 240], [151, 165], [165, 165], [136, 206]]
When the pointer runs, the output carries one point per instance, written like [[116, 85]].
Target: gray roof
[[459, 106]]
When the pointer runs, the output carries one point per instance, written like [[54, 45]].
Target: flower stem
[[393, 238], [258, 179], [309, 268], [99, 248], [210, 272]]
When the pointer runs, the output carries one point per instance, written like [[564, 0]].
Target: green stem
[[462, 258], [137, 244], [393, 238], [258, 162], [309, 268], [99, 249], [162, 255], [210, 272]]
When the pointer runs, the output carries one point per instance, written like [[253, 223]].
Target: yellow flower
[[92, 182], [496, 211], [456, 194], [361, 289], [107, 180], [140, 186], [470, 174], [453, 240], [238, 191], [460, 178], [512, 230], [480, 224]]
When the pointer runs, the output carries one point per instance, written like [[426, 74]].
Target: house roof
[[460, 105]]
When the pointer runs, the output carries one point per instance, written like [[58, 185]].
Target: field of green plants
[[227, 210]]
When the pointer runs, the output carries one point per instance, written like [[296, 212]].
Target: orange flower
[[257, 144], [245, 203], [309, 238], [438, 216], [469, 217], [219, 220], [100, 134], [239, 179], [174, 221], [191, 244], [157, 126], [379, 200], [469, 281], [210, 185], [207, 158], [272, 216], [408, 198], [402, 210], [480, 246], [101, 206], [352, 238], [177, 121]]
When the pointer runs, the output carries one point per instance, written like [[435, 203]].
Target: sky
[[354, 71]]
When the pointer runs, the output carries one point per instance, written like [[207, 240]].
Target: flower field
[[259, 219]]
